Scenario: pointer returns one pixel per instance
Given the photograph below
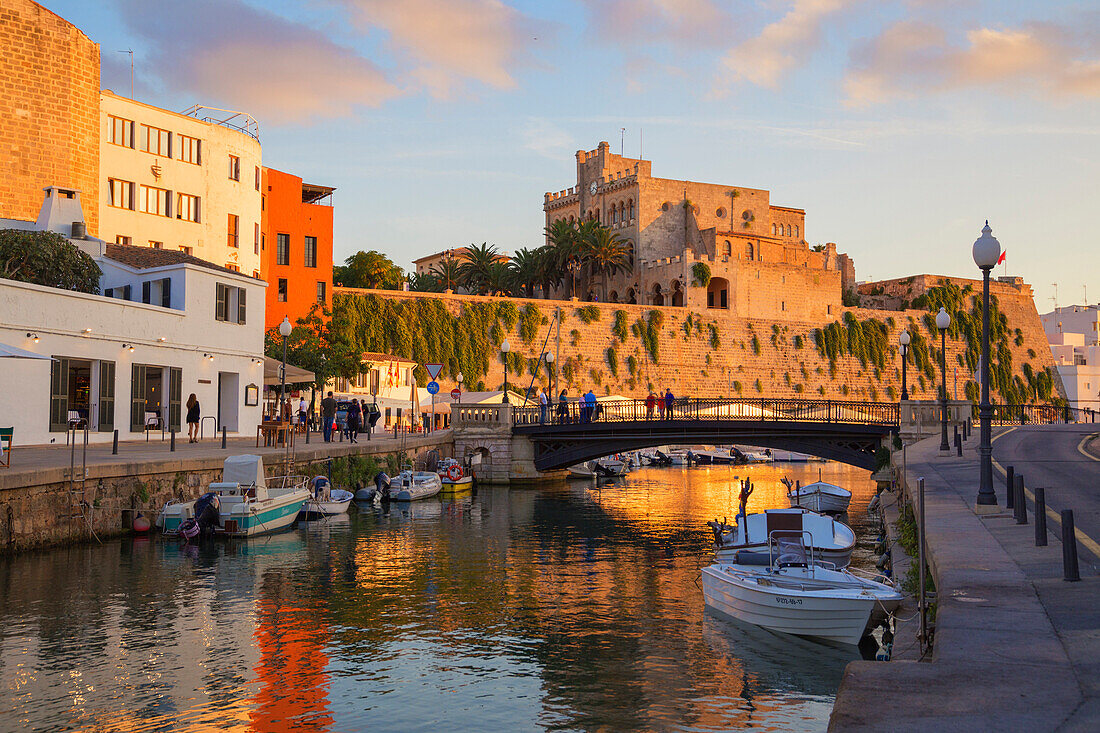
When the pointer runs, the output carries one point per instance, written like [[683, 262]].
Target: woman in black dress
[[355, 413], [192, 419]]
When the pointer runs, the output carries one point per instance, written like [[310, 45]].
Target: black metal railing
[[696, 409], [1037, 414]]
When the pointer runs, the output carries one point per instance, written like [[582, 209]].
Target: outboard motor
[[382, 485], [320, 486], [207, 513]]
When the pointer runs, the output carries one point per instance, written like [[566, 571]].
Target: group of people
[[661, 404], [360, 417]]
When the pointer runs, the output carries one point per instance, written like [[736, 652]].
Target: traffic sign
[[456, 393], [433, 388], [433, 370]]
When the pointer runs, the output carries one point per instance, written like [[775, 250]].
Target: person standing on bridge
[[669, 402], [563, 407], [544, 406], [650, 403]]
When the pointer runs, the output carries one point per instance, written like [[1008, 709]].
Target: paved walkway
[[36, 465], [1016, 648]]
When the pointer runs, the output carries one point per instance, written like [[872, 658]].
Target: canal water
[[566, 608]]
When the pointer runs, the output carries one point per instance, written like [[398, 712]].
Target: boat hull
[[423, 486], [821, 503], [338, 503], [453, 487], [840, 558]]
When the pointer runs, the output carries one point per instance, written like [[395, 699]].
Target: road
[[1060, 459]]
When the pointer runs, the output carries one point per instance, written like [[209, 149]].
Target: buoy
[[141, 524]]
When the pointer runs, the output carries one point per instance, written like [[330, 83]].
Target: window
[[153, 200], [156, 141], [187, 207], [120, 194], [282, 290], [122, 239], [256, 238], [788, 230], [156, 245], [186, 250], [233, 266], [282, 249], [234, 168], [321, 287], [311, 252], [257, 178], [229, 303], [796, 230], [120, 132], [234, 230], [190, 149]]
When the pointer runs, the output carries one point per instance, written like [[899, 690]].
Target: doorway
[[229, 401]]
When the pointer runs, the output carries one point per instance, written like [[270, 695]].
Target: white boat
[[678, 458], [713, 456], [791, 456], [820, 496], [798, 597], [604, 467], [414, 485], [748, 455], [326, 501], [582, 470], [453, 477], [613, 466], [832, 541], [243, 504]]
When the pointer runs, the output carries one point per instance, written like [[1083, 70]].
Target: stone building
[[756, 252]]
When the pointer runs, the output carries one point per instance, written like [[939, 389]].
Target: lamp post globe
[[987, 250], [505, 347], [904, 338], [284, 330], [943, 322], [550, 372], [459, 378]]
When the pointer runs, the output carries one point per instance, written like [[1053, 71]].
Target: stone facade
[[734, 229], [49, 110]]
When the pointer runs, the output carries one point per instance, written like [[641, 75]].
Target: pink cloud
[[681, 22]]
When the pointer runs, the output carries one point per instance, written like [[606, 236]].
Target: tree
[[563, 240], [47, 258], [605, 252], [476, 266], [526, 271], [312, 345], [447, 272], [370, 269], [424, 282]]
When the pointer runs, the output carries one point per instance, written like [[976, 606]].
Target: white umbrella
[[13, 352]]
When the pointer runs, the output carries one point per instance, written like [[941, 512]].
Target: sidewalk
[[1016, 648]]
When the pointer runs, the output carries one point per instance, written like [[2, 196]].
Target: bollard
[[1021, 505], [114, 444], [958, 445], [307, 434], [958, 436], [1070, 571], [1010, 485], [1040, 517], [172, 442], [223, 438]]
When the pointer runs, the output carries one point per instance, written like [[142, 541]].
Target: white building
[[184, 182], [1074, 335], [166, 325]]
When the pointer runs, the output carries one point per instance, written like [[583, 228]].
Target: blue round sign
[[433, 387]]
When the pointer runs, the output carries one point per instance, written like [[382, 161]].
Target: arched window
[[775, 229], [750, 250], [788, 230], [727, 249], [630, 209], [796, 230], [614, 214]]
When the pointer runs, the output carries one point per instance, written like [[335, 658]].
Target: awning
[[14, 352], [294, 375]]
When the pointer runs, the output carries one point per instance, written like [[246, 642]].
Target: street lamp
[[904, 338], [942, 322], [505, 347], [550, 373], [458, 378], [284, 330], [987, 250]]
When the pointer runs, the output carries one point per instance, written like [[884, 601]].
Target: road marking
[[1081, 447], [1083, 538]]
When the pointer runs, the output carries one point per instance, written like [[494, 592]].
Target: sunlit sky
[[898, 125]]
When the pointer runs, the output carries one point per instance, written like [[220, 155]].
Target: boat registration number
[[789, 601]]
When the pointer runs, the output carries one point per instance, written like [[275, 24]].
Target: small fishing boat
[[746, 454], [613, 466], [414, 485], [678, 458], [602, 468], [582, 470], [326, 501], [793, 595], [713, 456], [243, 504], [791, 456], [453, 478], [820, 496], [832, 541]]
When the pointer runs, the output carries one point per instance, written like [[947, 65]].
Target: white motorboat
[[414, 485], [613, 466], [820, 496], [713, 456], [582, 470], [453, 477], [832, 541], [791, 456], [602, 468], [243, 504], [798, 597], [326, 501], [678, 458], [747, 455]]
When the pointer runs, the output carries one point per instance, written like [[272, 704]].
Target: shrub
[[714, 341], [798, 342], [619, 328], [632, 365], [47, 258], [737, 387], [529, 323], [575, 337], [588, 313], [759, 387], [613, 360], [755, 345], [700, 274]]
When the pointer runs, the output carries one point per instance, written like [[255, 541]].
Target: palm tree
[[526, 270], [448, 273], [499, 277], [474, 269], [550, 272], [563, 239], [606, 254]]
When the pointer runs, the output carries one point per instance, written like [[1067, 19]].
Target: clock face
[[593, 188]]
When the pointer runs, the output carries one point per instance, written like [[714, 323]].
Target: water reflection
[[568, 608]]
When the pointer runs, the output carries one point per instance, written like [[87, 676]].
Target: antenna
[[131, 52], [1055, 296], [640, 156], [622, 141]]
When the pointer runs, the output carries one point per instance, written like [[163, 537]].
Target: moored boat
[[414, 485], [713, 456], [326, 501], [832, 541], [820, 496], [453, 478]]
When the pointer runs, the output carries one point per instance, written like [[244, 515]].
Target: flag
[[1001, 259]]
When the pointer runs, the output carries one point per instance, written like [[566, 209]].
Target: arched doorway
[[631, 297], [613, 296], [718, 293], [658, 295], [677, 294]]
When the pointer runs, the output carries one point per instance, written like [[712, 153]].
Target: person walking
[[669, 402], [303, 413], [660, 404], [544, 406], [650, 403], [563, 407], [355, 412], [193, 419], [328, 416], [590, 406]]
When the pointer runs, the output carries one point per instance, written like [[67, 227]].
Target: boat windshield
[[790, 552]]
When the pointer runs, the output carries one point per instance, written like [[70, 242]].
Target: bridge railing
[[763, 410], [1037, 414]]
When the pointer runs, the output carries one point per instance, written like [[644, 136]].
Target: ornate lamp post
[[550, 375], [505, 347], [904, 338], [943, 321], [458, 378], [987, 250], [284, 330]]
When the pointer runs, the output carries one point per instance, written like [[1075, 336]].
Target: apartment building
[[185, 182]]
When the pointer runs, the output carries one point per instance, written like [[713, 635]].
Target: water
[[552, 609]]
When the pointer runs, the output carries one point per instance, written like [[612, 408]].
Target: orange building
[[295, 245]]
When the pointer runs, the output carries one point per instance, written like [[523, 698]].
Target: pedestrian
[[544, 406], [354, 414], [563, 407], [650, 403], [660, 404], [590, 406], [193, 419], [328, 416], [669, 402], [303, 412]]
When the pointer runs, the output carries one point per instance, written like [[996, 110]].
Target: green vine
[[700, 274], [621, 328], [613, 360], [588, 313]]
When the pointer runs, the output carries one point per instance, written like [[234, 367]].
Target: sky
[[900, 126]]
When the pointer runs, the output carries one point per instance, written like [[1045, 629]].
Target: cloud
[[543, 137], [237, 56], [680, 22], [911, 57], [784, 45], [445, 43]]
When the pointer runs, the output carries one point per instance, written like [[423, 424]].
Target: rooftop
[[374, 356], [312, 192], [145, 258]]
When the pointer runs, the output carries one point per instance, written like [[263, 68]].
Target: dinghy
[[832, 541], [326, 501], [819, 496], [414, 485]]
